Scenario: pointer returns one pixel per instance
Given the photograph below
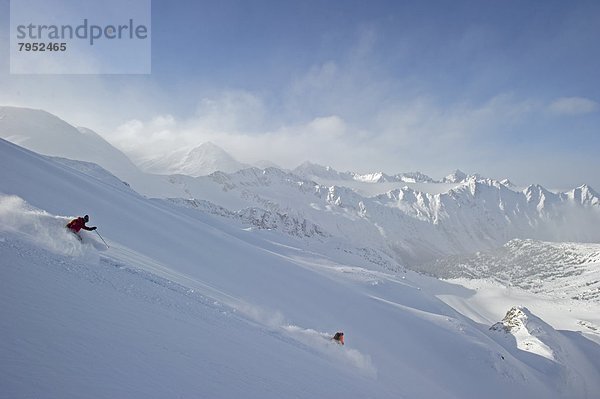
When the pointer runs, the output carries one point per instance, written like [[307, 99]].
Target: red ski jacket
[[78, 224]]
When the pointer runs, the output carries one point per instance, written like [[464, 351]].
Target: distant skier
[[77, 224], [339, 337]]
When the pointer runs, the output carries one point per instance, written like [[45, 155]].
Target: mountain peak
[[208, 149], [205, 159], [309, 170], [413, 177], [377, 177], [587, 188], [208, 146], [455, 177], [584, 195], [515, 319], [530, 333]]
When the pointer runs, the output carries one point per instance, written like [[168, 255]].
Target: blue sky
[[503, 88]]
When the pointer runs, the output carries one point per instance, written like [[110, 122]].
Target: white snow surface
[[187, 303]]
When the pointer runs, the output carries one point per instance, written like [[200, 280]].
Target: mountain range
[[408, 226], [232, 284]]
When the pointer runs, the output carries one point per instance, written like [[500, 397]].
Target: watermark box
[[80, 37]]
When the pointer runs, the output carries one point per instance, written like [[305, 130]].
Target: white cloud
[[573, 106], [231, 110], [319, 77], [333, 126], [400, 137], [319, 138], [217, 119], [429, 131]]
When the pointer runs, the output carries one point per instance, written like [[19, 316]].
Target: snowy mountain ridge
[[47, 134], [309, 170], [409, 225], [258, 218]]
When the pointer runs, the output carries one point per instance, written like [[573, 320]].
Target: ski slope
[[185, 303]]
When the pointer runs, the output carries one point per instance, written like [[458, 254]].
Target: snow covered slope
[[524, 334], [76, 324], [188, 304], [47, 134]]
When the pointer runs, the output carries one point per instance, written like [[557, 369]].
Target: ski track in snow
[[143, 285], [137, 285], [273, 323]]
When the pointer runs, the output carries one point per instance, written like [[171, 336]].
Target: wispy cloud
[[573, 106], [399, 137]]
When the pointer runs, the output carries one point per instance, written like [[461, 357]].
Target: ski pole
[[102, 239]]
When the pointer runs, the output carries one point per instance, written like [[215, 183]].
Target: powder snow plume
[[322, 341], [19, 218]]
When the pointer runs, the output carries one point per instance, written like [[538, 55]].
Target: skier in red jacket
[[77, 224], [339, 338]]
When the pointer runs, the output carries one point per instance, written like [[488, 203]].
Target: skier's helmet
[[86, 218]]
